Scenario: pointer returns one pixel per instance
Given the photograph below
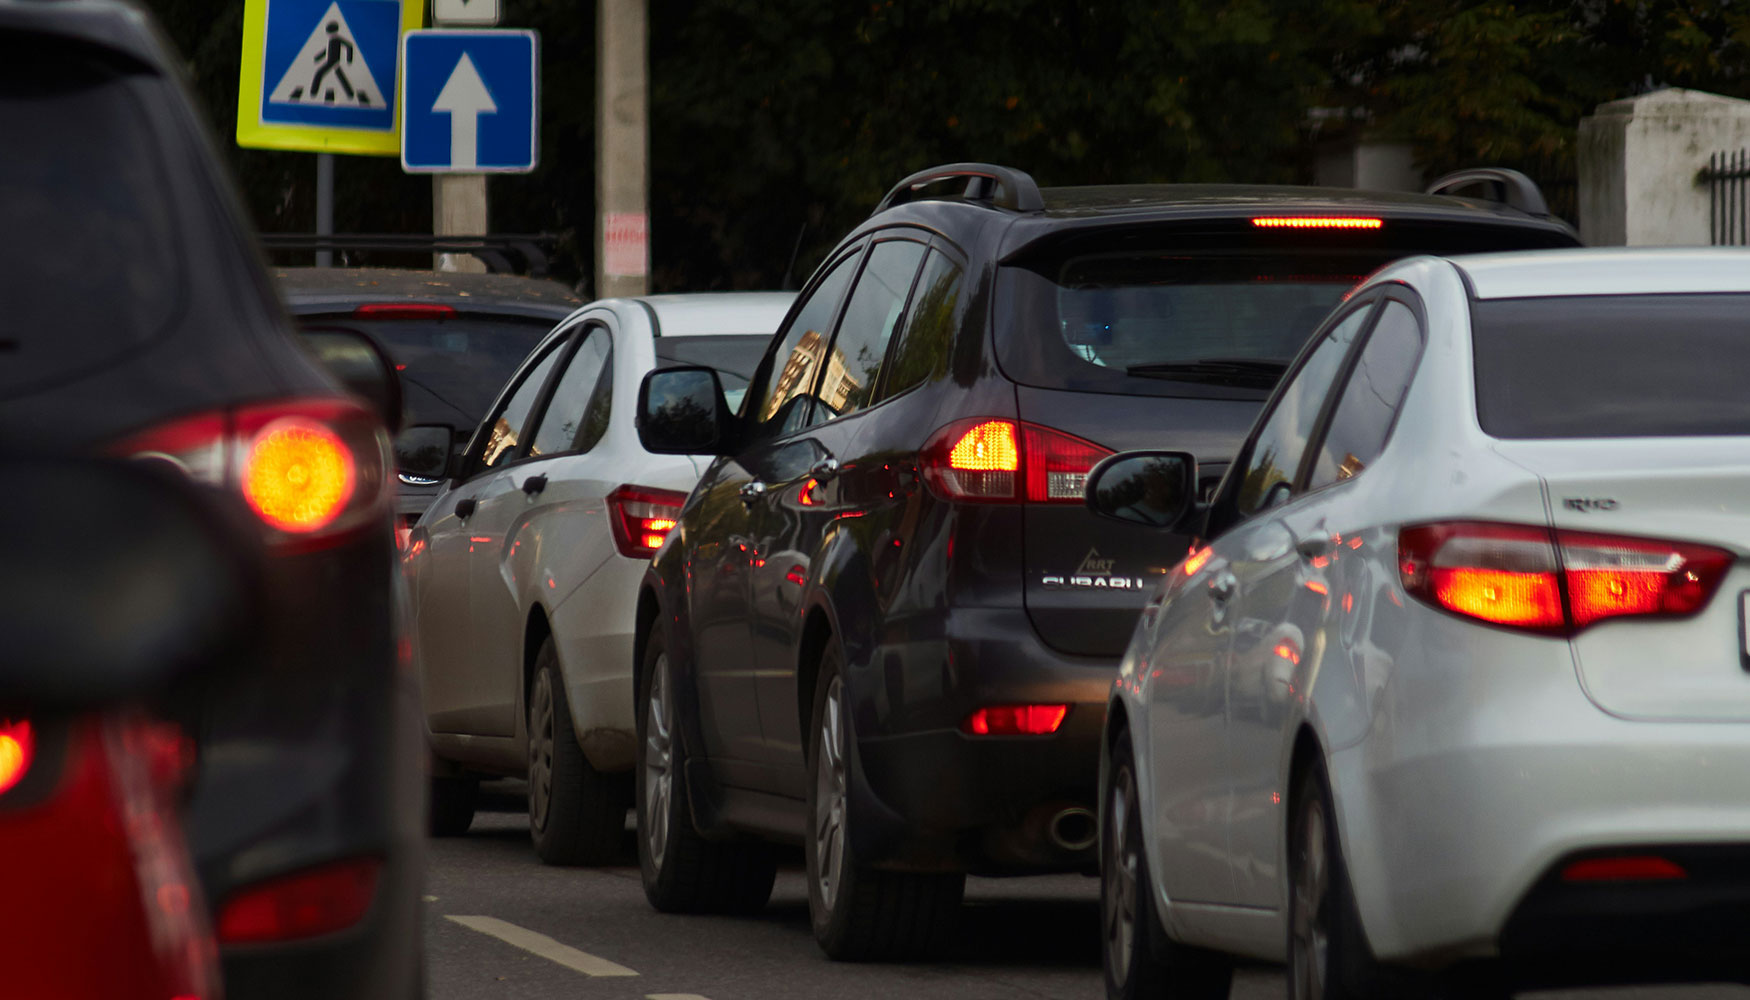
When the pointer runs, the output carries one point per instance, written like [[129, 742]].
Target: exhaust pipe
[[1073, 829]]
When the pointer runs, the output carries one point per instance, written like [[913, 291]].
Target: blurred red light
[[1634, 868], [1015, 720], [301, 905]]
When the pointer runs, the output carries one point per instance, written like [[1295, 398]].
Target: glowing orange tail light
[[1316, 222], [17, 747], [996, 460], [987, 447], [1554, 581], [642, 517], [298, 475]]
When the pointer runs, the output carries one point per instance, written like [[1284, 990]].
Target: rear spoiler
[[502, 253], [1496, 184]]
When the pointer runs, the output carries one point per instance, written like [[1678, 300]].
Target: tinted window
[[854, 362], [89, 265], [1613, 366], [451, 369], [507, 427], [927, 338], [1370, 401], [1276, 454], [735, 356], [790, 370], [577, 415]]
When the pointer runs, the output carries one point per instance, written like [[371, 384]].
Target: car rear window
[[735, 356], [88, 264], [451, 369], [1198, 313], [1609, 366]]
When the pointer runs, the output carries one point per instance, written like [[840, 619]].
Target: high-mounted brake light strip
[[1316, 222]]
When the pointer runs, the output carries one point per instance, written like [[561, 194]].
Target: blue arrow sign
[[469, 102]]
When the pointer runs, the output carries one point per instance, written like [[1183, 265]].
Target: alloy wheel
[[541, 750], [658, 763], [1311, 905], [1120, 864], [829, 796]]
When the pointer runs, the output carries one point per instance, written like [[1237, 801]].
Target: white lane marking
[[542, 945]]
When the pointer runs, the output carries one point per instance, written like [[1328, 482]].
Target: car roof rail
[[503, 253], [1507, 187], [1001, 187]]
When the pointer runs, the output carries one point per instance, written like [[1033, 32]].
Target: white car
[[524, 571], [1456, 698]]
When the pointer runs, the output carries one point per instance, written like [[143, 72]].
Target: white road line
[[542, 945]]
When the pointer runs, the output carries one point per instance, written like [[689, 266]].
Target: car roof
[[1227, 200], [111, 24], [316, 290], [1606, 271], [703, 313]]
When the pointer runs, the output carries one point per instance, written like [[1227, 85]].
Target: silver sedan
[[1455, 697]]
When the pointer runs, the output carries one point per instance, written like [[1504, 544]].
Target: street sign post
[[466, 13], [321, 75], [469, 102]]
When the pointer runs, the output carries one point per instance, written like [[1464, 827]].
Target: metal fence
[[1728, 210]]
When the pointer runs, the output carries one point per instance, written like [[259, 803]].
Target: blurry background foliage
[[778, 123]]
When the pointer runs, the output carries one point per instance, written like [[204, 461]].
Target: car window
[[576, 416], [1369, 405], [853, 364], [733, 355], [507, 426], [452, 368], [790, 369], [1275, 454], [926, 338]]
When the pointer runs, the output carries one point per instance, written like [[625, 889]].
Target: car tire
[[1328, 955], [450, 804], [682, 871], [861, 913], [1139, 959], [577, 815]]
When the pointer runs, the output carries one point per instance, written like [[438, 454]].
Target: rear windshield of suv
[[451, 369], [735, 356], [88, 263], [1197, 313], [1609, 366]]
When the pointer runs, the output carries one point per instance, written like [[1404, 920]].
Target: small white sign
[[473, 13]]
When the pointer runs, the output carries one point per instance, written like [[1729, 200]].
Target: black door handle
[[534, 484], [465, 508]]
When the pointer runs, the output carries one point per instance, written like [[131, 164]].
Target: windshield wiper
[[1236, 371]]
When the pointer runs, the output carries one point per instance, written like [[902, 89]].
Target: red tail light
[[1015, 720], [1554, 581], [1316, 222], [1634, 868], [1005, 461], [404, 310], [17, 747], [302, 905], [642, 517], [309, 469]]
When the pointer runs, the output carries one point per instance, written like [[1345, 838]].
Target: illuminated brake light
[[1635, 868], [303, 905], [995, 460], [1196, 560], [17, 747], [1316, 222], [1554, 581], [642, 517], [404, 310], [298, 475], [1015, 720]]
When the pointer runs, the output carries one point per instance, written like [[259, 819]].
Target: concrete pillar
[[622, 258], [458, 208], [1639, 161], [1375, 164]]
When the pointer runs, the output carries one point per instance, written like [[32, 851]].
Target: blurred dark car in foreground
[[138, 321]]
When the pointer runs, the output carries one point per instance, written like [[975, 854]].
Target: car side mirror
[[681, 411], [362, 367], [1156, 489], [124, 578], [426, 451]]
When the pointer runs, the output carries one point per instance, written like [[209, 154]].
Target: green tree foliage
[[777, 124]]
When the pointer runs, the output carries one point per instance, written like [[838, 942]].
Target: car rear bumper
[[935, 797], [1450, 851]]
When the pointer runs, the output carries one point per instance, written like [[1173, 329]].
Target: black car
[[138, 321], [453, 337], [885, 624]]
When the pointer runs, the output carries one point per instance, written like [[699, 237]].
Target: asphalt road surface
[[500, 926]]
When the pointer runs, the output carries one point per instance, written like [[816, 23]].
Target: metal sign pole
[[324, 205]]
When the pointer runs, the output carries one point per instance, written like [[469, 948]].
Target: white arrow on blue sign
[[469, 102]]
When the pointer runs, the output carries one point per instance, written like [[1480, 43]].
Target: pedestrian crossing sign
[[322, 75]]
